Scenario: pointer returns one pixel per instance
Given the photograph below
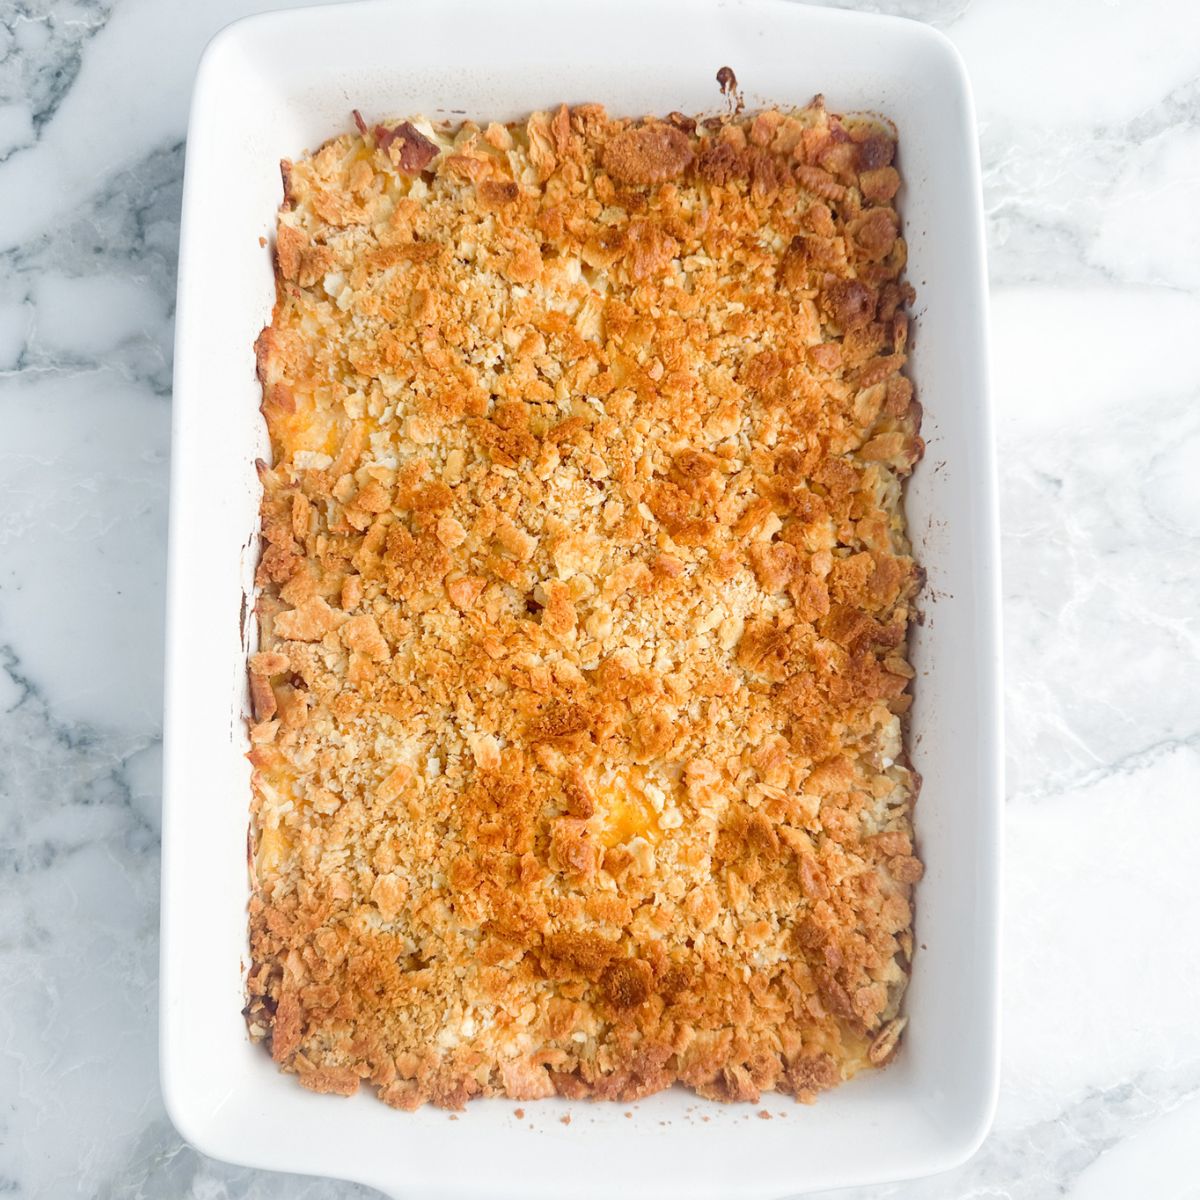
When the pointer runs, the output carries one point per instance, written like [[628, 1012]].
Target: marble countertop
[[1090, 121]]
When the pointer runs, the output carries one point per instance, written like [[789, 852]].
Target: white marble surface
[[1090, 118]]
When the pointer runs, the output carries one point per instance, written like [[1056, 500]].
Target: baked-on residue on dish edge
[[577, 729]]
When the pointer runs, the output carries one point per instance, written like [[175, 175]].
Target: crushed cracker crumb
[[578, 751]]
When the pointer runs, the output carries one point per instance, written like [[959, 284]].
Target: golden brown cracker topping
[[648, 154], [578, 761]]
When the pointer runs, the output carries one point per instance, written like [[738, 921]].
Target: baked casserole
[[577, 736]]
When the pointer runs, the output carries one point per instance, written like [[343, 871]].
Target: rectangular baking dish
[[271, 86]]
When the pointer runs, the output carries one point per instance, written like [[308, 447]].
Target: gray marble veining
[[1090, 140]]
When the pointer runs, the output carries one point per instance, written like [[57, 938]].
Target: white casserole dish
[[271, 86]]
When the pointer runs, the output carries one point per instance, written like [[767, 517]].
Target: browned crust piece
[[577, 729]]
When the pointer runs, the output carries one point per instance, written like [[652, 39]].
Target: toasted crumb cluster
[[577, 732]]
